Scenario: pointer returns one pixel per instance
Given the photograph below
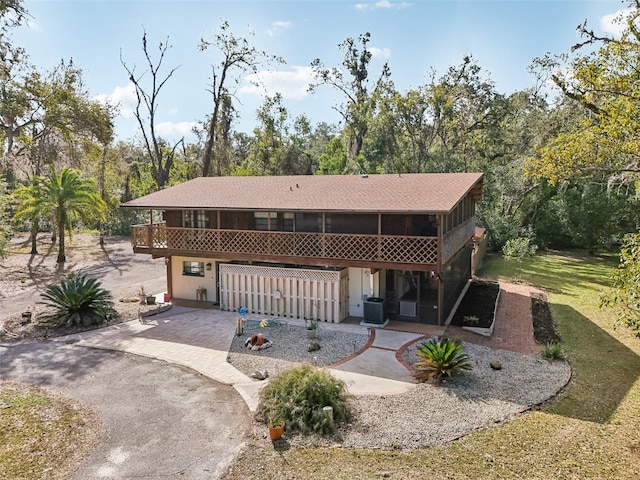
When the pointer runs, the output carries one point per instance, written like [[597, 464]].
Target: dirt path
[[24, 276]]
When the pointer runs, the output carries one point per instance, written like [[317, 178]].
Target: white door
[[359, 289]]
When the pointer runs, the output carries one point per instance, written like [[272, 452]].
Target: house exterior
[[318, 246]]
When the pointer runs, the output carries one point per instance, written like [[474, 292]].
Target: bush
[[441, 358], [298, 395], [77, 301], [624, 293], [553, 351]]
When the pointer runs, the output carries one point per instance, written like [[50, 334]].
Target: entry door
[[359, 289]]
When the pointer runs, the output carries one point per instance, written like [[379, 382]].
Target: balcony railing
[[330, 246]]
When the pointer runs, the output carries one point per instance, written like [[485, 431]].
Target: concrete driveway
[[160, 420]]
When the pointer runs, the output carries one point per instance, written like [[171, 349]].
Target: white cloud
[[175, 128], [384, 53], [290, 84], [381, 4], [615, 23], [277, 27], [122, 97]]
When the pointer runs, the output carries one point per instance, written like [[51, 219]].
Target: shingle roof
[[416, 192]]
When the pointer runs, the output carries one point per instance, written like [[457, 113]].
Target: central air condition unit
[[374, 310]]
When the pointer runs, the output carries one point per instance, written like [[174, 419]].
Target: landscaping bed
[[477, 307]]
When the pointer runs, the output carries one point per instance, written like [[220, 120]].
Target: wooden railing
[[373, 248]]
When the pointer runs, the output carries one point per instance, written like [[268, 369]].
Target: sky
[[415, 37]]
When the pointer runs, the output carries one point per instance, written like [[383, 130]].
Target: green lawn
[[590, 431]]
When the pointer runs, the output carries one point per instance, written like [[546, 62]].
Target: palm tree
[[65, 197]]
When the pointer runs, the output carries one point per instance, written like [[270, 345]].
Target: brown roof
[[416, 192]]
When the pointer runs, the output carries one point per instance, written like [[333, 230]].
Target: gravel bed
[[429, 415], [426, 415], [290, 346]]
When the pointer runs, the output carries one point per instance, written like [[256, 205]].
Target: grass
[[590, 431], [42, 435]]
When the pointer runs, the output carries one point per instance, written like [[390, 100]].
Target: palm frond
[[441, 358]]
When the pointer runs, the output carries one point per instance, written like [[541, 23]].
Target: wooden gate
[[285, 292]]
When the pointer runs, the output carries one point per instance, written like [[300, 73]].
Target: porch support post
[[150, 230], [379, 243], [440, 226], [218, 239], [168, 262], [324, 236]]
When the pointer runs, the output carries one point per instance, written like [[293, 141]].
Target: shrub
[[77, 301], [625, 287], [441, 358], [553, 351], [298, 396], [518, 249], [470, 320]]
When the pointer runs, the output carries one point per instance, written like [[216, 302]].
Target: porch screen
[[454, 278]]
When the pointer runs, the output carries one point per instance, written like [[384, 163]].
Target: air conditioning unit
[[374, 310], [408, 309]]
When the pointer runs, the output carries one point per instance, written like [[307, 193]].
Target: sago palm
[[441, 358], [77, 301]]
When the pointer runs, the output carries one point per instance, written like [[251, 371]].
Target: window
[[261, 220], [308, 222], [359, 223], [273, 221], [195, 219], [287, 222], [194, 269]]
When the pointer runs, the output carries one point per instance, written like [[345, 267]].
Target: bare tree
[[239, 54], [160, 153]]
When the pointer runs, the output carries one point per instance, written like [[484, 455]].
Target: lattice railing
[[315, 275], [373, 248]]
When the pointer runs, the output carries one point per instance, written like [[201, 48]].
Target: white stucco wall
[[185, 286]]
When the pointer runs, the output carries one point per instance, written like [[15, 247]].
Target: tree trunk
[[34, 238], [207, 156], [61, 253]]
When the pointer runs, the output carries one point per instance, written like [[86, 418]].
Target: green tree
[[65, 197], [361, 94], [334, 158], [601, 76], [12, 14], [280, 146], [625, 285], [4, 221], [605, 81]]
